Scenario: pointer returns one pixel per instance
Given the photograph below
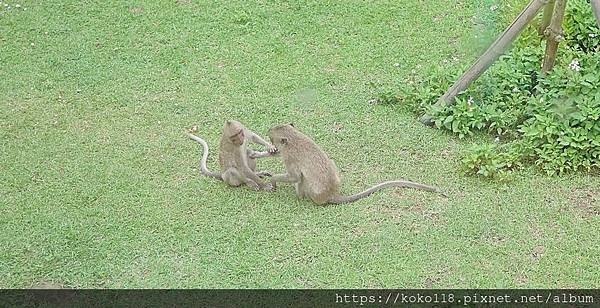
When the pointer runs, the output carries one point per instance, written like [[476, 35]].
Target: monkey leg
[[251, 160], [232, 177]]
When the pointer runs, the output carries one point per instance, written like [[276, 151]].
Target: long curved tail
[[203, 168], [348, 199]]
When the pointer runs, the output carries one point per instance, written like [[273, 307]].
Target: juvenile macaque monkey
[[237, 161], [313, 174]]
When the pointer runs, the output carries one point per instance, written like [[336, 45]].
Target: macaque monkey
[[237, 161], [313, 174]]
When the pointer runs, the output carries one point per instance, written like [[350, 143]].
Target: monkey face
[[279, 135], [278, 142], [238, 139], [234, 130]]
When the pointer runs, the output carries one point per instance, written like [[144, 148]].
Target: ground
[[100, 188]]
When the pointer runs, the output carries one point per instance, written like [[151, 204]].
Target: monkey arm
[[248, 173], [258, 140], [255, 154], [289, 177]]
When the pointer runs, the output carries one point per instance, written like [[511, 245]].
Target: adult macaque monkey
[[313, 174], [237, 161]]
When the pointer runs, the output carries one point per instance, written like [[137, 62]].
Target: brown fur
[[313, 174], [237, 161]]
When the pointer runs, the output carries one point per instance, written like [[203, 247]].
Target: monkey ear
[[284, 141]]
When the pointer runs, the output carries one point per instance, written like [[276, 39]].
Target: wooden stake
[[548, 10], [491, 55], [596, 8], [554, 35]]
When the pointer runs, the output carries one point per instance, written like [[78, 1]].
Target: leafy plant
[[580, 27], [551, 121]]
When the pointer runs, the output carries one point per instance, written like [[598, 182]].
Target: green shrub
[[492, 160], [580, 27], [550, 121]]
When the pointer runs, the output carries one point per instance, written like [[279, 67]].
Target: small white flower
[[516, 90], [497, 140], [575, 65], [17, 5], [397, 64], [592, 35], [32, 44], [493, 7], [470, 101]]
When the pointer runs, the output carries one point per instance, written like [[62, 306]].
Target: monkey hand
[[268, 187], [271, 149], [253, 185]]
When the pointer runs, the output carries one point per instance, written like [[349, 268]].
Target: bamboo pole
[[491, 54], [596, 9], [548, 10], [554, 35]]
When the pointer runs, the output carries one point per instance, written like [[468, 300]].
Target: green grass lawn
[[100, 187]]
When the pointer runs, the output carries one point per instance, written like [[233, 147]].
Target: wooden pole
[[554, 35], [596, 9], [491, 55], [548, 10]]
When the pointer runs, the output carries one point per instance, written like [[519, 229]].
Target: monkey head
[[280, 135], [234, 131]]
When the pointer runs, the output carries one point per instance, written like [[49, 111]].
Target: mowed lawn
[[100, 187]]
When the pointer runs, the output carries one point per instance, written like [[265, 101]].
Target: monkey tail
[[203, 168], [348, 199]]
